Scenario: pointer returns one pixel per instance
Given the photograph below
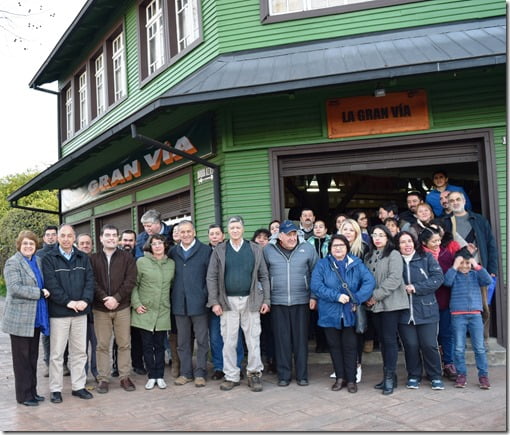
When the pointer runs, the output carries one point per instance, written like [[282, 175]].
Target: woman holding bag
[[388, 300], [25, 315], [341, 282]]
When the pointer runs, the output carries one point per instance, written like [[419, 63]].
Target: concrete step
[[496, 355]]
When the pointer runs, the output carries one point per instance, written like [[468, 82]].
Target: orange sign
[[395, 112]]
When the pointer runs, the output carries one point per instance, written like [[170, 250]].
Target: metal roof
[[379, 55], [420, 50]]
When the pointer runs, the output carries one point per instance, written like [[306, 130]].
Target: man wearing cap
[[290, 263], [238, 288]]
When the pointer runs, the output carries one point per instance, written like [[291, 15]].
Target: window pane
[[187, 22], [100, 87], [119, 69], [155, 42], [82, 93]]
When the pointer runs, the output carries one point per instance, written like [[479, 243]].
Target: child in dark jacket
[[465, 278]]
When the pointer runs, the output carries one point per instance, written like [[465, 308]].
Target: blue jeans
[[216, 343], [445, 335], [461, 323]]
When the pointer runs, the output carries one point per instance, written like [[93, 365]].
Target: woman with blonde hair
[[25, 315]]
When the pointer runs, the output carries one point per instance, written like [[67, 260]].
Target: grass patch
[[3, 289]]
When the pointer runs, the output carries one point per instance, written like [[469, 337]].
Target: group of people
[[164, 288]]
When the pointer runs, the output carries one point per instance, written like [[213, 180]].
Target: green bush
[[3, 289]]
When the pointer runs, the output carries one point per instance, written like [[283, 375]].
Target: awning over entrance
[[382, 55]]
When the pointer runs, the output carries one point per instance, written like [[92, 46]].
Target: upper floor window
[[100, 84], [82, 99], [280, 10], [119, 67], [155, 39], [68, 112], [167, 29]]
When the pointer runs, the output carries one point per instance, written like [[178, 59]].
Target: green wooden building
[[276, 105]]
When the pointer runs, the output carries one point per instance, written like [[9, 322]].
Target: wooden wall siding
[[233, 25], [240, 21], [203, 204], [247, 176], [500, 140], [473, 99], [139, 96]]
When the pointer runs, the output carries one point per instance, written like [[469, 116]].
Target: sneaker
[[182, 380], [199, 381], [332, 375], [484, 382], [413, 383], [461, 381], [437, 384], [358, 374], [150, 384], [254, 382], [228, 385], [161, 383], [450, 372]]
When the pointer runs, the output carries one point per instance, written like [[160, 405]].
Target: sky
[[28, 118]]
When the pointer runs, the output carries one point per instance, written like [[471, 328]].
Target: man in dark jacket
[[152, 224], [69, 278], [115, 277], [189, 299]]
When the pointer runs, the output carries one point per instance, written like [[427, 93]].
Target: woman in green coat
[[150, 302]]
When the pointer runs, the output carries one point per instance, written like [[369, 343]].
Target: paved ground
[[293, 408]]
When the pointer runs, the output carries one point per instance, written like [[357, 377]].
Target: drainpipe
[[216, 169]]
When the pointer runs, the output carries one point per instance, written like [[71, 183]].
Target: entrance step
[[496, 355]]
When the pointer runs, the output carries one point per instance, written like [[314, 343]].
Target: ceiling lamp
[[333, 187], [313, 186]]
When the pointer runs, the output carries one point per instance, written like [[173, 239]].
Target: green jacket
[[152, 290]]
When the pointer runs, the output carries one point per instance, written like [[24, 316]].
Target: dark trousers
[[25, 351], [91, 346], [153, 344], [386, 324], [187, 327], [136, 349], [421, 350], [290, 331], [343, 350], [266, 337]]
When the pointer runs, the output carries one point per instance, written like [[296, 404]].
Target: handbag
[[358, 309]]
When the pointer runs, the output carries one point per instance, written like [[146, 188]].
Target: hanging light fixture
[[313, 186], [333, 186]]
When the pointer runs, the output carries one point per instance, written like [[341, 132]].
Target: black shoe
[[82, 394], [31, 402], [39, 398], [283, 383], [56, 397], [115, 373], [217, 375], [302, 382], [139, 371]]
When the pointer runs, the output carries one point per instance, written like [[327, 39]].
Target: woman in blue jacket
[[418, 325], [329, 279]]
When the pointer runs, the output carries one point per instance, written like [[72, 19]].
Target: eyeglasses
[[378, 235], [338, 246], [157, 243]]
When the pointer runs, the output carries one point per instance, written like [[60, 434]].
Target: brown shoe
[[200, 381], [339, 384], [103, 387], [127, 384], [352, 387]]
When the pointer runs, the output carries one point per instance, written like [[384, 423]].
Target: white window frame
[[155, 35], [100, 84], [188, 22], [69, 112], [310, 5], [119, 67], [82, 99]]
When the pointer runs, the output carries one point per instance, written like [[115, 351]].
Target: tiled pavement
[[292, 408]]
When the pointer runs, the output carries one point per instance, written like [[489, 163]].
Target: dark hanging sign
[[366, 115], [194, 139]]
